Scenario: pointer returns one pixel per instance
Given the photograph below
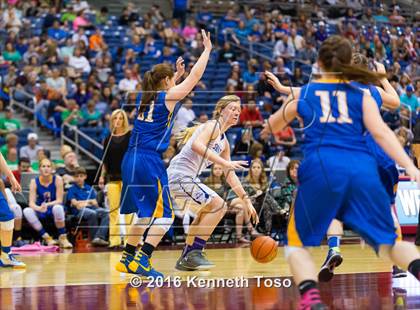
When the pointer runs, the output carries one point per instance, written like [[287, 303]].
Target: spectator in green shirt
[[11, 142], [11, 54], [70, 15], [71, 114], [9, 124]]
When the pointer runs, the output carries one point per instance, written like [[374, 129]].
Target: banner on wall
[[407, 203]]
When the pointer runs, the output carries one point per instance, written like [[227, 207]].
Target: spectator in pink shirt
[[80, 21], [189, 31]]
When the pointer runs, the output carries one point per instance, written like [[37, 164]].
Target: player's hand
[[413, 173], [252, 213], [273, 80], [180, 67], [206, 40], [43, 208], [15, 184], [380, 68], [266, 131], [236, 164]]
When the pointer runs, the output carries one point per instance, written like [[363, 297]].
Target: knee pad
[[163, 222], [58, 212], [17, 211], [8, 225], [288, 250]]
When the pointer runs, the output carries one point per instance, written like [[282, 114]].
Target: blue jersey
[[381, 157], [152, 128], [333, 116], [45, 194]]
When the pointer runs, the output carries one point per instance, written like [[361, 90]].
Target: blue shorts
[[389, 177], [5, 213], [145, 185], [344, 185], [43, 215]]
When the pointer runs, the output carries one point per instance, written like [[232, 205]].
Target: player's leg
[[32, 217], [6, 236], [211, 211], [60, 223], [114, 198], [334, 257], [17, 211]]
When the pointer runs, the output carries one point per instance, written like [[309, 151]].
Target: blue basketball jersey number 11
[[149, 118]]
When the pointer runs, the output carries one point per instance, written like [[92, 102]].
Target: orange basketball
[[264, 249]]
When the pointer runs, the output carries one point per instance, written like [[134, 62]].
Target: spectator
[[12, 158], [190, 30], [244, 143], [115, 146], [102, 16], [296, 39], [8, 124], [11, 20], [81, 21], [251, 76], [180, 8], [280, 69], [321, 34], [278, 161], [256, 186], [79, 6], [409, 100], [46, 202], [79, 63], [96, 41], [251, 116], [90, 116], [80, 36], [66, 51], [30, 151], [227, 54], [83, 204], [129, 83], [285, 48], [70, 165], [24, 166], [71, 114], [57, 33], [184, 116], [11, 142], [286, 137], [57, 83], [203, 118], [289, 186], [11, 54]]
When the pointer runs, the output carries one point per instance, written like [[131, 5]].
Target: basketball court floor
[[89, 281]]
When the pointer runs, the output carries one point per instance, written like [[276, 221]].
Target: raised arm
[[275, 82], [389, 95], [279, 120], [181, 90], [386, 138]]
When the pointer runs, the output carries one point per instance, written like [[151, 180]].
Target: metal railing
[[22, 106], [65, 128]]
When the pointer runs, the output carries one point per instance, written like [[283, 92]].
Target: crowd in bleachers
[[74, 65]]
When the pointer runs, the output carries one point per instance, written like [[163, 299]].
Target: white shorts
[[190, 193]]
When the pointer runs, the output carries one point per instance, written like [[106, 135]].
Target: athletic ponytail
[[152, 81], [335, 56]]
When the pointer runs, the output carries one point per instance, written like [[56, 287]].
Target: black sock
[[306, 285], [131, 249], [414, 268], [17, 234], [147, 249]]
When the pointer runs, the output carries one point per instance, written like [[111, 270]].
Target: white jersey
[[188, 162]]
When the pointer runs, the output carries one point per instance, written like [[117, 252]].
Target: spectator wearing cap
[[31, 150], [250, 115], [278, 161], [11, 142], [9, 124], [409, 100], [321, 34], [82, 201]]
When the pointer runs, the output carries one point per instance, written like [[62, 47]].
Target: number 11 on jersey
[[149, 118], [343, 109]]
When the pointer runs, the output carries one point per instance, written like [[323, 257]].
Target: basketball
[[264, 249]]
